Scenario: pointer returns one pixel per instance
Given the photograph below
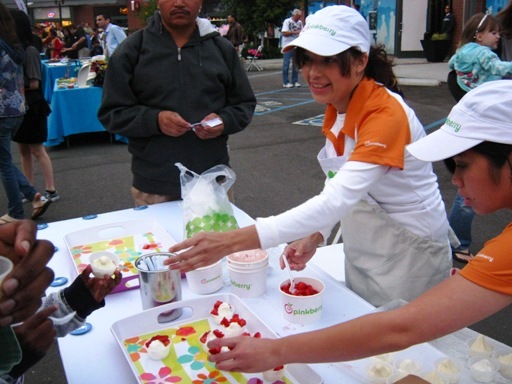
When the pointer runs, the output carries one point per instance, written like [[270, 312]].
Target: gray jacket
[[147, 74]]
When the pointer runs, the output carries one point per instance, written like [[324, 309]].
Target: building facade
[[398, 24]]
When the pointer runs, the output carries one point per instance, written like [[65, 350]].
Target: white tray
[[127, 239], [140, 327]]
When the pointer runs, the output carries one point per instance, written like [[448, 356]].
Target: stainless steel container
[[158, 284]]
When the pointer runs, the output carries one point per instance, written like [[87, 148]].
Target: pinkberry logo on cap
[[483, 114], [333, 30]]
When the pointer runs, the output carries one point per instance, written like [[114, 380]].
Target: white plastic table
[[95, 357]]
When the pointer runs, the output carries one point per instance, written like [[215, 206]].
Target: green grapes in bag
[[206, 207]]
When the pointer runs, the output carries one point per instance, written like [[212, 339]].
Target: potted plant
[[437, 47]]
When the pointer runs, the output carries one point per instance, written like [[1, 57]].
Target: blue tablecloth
[[49, 73], [74, 111]]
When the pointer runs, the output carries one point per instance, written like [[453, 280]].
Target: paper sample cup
[[378, 371], [483, 369], [504, 359], [248, 272], [450, 368], [480, 346], [206, 279], [99, 270], [303, 310], [6, 267]]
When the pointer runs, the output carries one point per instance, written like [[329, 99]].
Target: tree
[[255, 15], [147, 9]]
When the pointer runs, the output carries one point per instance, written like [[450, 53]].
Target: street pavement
[[274, 160]]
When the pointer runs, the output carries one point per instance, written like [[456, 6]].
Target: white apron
[[384, 260]]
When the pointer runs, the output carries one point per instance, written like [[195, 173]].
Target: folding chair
[[252, 60]]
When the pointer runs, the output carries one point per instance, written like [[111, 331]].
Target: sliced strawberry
[[242, 322], [214, 351], [218, 333], [203, 338], [225, 322], [257, 335]]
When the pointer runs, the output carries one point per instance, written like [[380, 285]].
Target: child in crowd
[[475, 62]]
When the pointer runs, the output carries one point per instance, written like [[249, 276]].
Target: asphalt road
[[275, 163]]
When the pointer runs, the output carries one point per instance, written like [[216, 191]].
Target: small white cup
[[248, 272], [473, 352], [503, 357], [378, 371], [450, 368], [101, 272], [303, 310], [6, 267], [408, 366], [483, 369], [205, 280]]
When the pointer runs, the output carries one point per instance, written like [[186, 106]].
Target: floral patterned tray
[[128, 240], [187, 361]]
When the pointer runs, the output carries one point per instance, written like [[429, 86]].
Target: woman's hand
[[206, 248], [247, 354], [300, 252]]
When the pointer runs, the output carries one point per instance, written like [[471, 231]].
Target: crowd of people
[[377, 159], [76, 41]]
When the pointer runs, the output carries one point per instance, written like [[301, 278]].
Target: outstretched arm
[[452, 305]]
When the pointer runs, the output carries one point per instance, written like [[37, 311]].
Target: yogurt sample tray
[[187, 359], [127, 239]]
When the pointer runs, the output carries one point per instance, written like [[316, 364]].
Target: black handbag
[[36, 102]]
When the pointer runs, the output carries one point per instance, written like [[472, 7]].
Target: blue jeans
[[14, 182], [460, 219], [287, 58]]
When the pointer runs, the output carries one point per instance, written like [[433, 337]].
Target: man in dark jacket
[[162, 87], [235, 33], [448, 26]]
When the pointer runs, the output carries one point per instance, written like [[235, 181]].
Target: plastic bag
[[206, 207]]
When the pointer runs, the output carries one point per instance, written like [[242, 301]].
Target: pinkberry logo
[[206, 281]]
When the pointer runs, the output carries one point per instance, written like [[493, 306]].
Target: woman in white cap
[[476, 143], [394, 224]]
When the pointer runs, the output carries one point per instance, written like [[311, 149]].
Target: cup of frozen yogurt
[[248, 272], [503, 357], [378, 371], [407, 365], [103, 263], [483, 369], [480, 346], [450, 368], [304, 305]]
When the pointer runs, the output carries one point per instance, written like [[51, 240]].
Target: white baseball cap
[[333, 30], [483, 114]]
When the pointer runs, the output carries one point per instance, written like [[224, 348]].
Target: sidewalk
[[409, 71]]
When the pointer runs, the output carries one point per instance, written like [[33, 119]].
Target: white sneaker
[[297, 85], [288, 85]]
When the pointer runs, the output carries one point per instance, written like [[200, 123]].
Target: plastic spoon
[[285, 260]]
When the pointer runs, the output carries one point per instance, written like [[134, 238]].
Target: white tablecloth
[[96, 358]]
